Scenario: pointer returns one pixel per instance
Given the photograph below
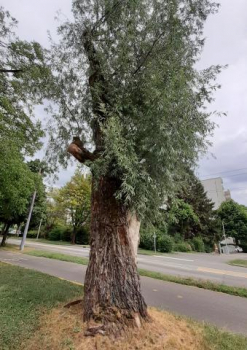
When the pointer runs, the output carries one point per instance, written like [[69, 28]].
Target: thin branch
[[148, 53], [10, 70]]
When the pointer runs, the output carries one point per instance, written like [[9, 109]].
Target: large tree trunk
[[5, 234], [112, 285]]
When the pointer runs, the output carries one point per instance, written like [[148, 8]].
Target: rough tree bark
[[112, 294], [5, 234]]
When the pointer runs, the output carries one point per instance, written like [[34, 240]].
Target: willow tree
[[132, 106]]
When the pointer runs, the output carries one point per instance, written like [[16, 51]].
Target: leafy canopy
[[126, 86], [234, 217], [17, 183], [23, 73]]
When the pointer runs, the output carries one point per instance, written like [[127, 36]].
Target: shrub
[[32, 233], [165, 243], [56, 233], [182, 247], [146, 239], [65, 234], [177, 238], [82, 235], [198, 244]]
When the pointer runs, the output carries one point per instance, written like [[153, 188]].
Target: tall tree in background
[[17, 183], [75, 199], [234, 217], [128, 91], [193, 193], [23, 75]]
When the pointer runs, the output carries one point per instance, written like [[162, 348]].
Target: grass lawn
[[33, 318], [57, 256], [25, 295], [47, 241], [238, 262], [204, 284]]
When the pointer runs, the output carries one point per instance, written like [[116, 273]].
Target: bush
[[82, 235], [177, 238], [165, 243], [182, 247], [146, 239], [32, 233], [198, 244], [65, 234], [56, 234]]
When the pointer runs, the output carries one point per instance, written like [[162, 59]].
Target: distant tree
[[75, 199], [193, 193], [23, 73], [17, 183], [182, 219], [234, 217], [128, 91]]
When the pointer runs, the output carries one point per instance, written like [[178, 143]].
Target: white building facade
[[215, 191]]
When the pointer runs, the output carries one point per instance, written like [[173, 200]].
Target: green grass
[[238, 262], [24, 296], [204, 284], [47, 241], [151, 252], [58, 256], [219, 340]]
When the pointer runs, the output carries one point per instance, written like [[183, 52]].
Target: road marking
[[223, 272], [168, 257]]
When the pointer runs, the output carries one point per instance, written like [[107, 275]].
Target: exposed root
[[72, 303], [114, 322]]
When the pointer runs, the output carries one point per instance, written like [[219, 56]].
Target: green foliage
[[165, 244], [182, 218], [58, 233], [17, 184], [125, 81], [32, 234], [198, 244], [20, 90], [182, 247], [70, 207], [192, 193], [146, 239], [234, 217]]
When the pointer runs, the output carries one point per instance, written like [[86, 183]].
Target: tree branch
[[77, 149], [10, 70]]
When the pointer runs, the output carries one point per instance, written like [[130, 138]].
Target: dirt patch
[[63, 328]]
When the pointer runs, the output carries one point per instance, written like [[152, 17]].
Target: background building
[[215, 191]]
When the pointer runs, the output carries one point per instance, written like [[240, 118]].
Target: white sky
[[226, 43]]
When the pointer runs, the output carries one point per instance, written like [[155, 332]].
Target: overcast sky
[[226, 34]]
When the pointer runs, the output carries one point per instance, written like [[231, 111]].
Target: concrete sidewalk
[[225, 311]]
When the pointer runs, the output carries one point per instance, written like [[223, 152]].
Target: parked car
[[13, 231], [239, 249]]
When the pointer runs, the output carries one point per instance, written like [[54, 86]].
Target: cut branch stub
[[77, 150]]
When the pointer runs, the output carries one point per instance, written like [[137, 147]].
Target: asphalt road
[[204, 266], [225, 311]]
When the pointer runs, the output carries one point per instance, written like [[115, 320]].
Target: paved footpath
[[225, 311]]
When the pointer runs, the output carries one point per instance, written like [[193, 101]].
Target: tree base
[[112, 321], [62, 326]]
